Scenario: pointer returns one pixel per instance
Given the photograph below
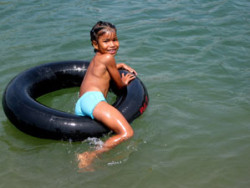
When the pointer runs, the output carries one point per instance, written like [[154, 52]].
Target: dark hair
[[99, 29]]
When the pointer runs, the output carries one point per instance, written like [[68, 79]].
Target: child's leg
[[114, 120]]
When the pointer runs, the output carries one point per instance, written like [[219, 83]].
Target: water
[[194, 58]]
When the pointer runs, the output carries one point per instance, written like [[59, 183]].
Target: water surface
[[193, 56]]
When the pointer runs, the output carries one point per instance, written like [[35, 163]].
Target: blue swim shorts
[[87, 103]]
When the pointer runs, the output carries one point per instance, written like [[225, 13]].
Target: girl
[[94, 89]]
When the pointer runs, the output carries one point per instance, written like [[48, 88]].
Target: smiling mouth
[[112, 51]]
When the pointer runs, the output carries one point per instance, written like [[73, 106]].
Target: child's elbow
[[122, 87]]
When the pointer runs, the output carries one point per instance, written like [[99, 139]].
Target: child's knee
[[128, 134], [131, 134]]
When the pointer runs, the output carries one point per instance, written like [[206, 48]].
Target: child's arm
[[126, 67], [115, 75]]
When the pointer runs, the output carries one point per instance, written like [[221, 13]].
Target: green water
[[192, 55]]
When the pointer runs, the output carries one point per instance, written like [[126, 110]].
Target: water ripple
[[193, 57]]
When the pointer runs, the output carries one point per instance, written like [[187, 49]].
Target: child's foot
[[85, 160]]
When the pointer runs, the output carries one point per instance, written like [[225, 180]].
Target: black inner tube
[[34, 118]]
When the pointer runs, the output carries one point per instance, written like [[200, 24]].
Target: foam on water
[[94, 142]]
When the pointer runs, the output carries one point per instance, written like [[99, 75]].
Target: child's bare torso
[[97, 77]]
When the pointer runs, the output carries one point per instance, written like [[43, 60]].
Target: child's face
[[107, 43]]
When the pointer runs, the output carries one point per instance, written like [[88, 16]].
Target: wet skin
[[101, 70]]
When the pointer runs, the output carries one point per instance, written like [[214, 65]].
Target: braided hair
[[99, 29]]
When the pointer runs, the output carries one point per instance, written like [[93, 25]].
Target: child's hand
[[126, 67], [127, 78], [129, 69]]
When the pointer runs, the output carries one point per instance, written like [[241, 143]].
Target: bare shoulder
[[107, 59]]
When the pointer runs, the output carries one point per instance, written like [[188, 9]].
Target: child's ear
[[95, 44]]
